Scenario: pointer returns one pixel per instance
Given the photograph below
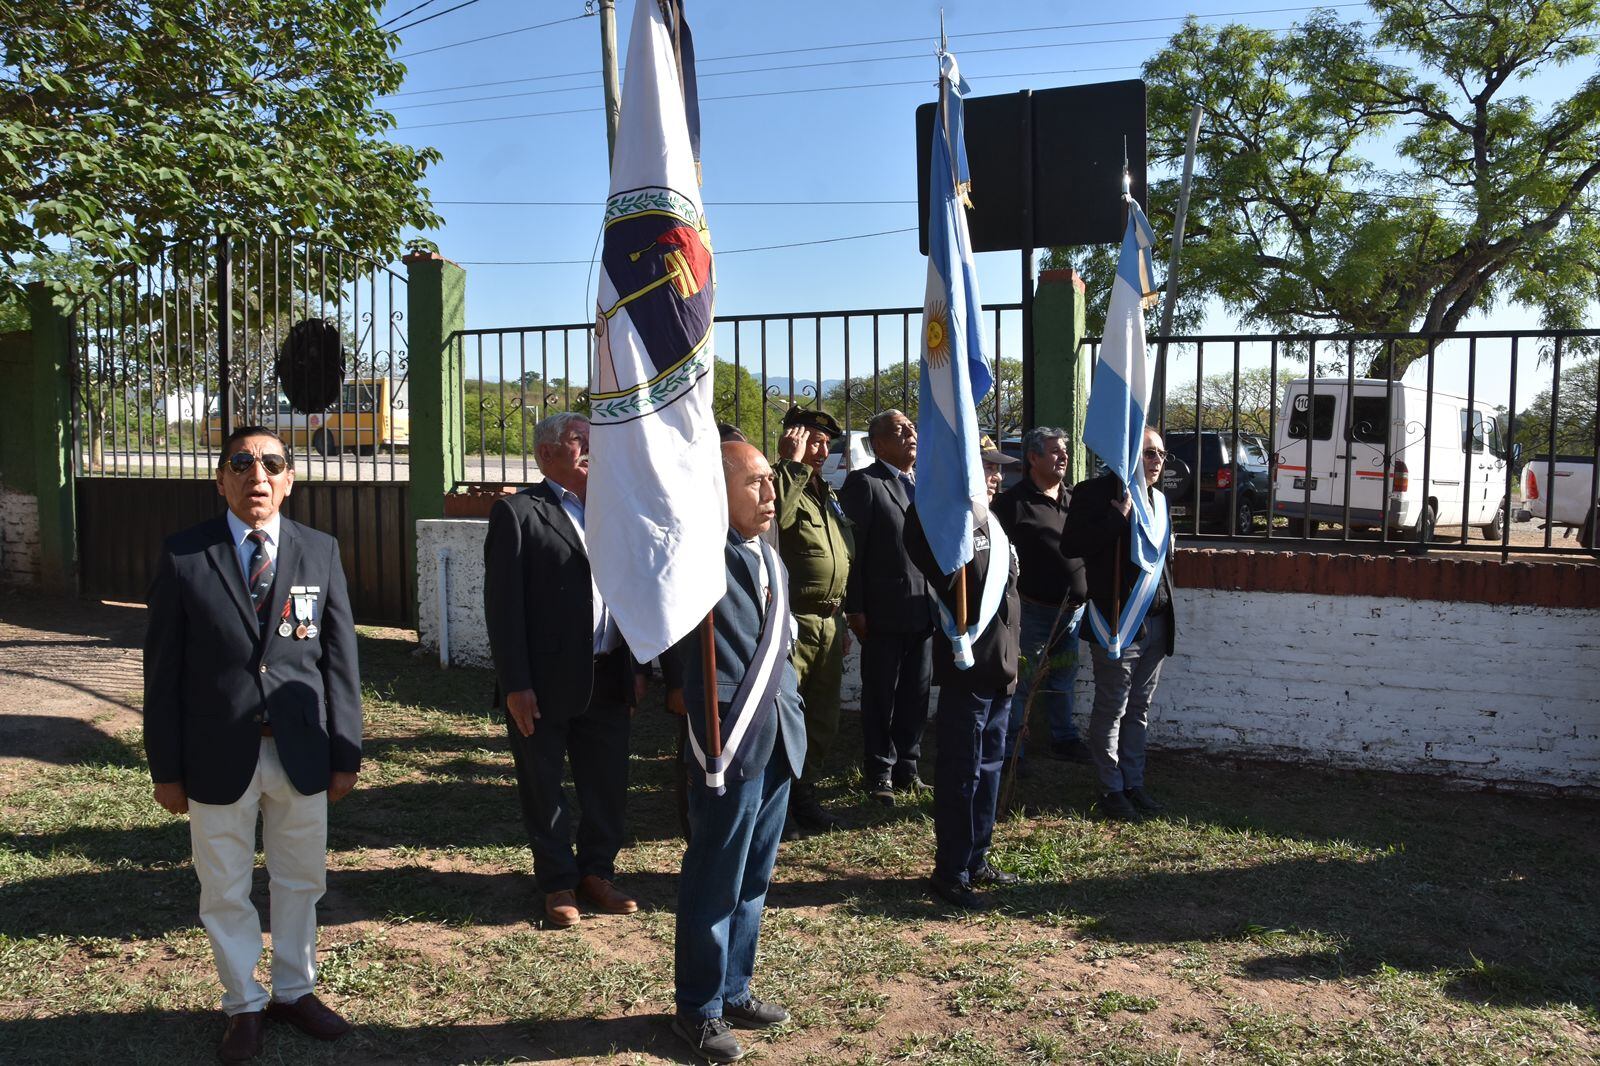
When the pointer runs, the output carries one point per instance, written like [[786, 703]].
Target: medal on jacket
[[284, 628], [305, 610]]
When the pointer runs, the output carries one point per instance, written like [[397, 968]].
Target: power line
[[791, 66], [775, 92], [436, 14], [488, 36], [709, 203], [728, 251], [408, 11], [867, 44]]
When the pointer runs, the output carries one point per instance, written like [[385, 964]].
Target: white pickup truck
[[1562, 493]]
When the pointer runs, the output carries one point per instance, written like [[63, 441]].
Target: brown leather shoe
[[560, 909], [605, 897], [310, 1016], [241, 1040]]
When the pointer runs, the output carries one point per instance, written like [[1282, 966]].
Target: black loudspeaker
[[311, 365], [1075, 135]]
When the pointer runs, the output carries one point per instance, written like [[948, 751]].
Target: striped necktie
[[262, 570]]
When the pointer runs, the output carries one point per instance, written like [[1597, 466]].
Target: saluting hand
[[523, 706], [792, 445]]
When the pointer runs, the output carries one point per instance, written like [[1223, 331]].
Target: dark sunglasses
[[1154, 453], [273, 463]]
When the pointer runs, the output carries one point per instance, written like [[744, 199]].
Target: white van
[[1338, 442]]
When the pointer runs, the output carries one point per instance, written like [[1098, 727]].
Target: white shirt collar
[[894, 471], [240, 531]]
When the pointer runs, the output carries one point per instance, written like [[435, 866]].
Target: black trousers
[[896, 669], [596, 743]]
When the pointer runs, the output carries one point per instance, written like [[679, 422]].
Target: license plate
[[1179, 512], [1305, 482]]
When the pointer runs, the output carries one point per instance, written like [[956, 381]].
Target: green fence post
[[1060, 368], [436, 312], [51, 399]]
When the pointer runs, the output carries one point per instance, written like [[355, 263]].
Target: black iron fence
[[1404, 439], [1337, 440], [171, 355], [851, 363]]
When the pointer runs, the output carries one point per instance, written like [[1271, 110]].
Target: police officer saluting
[[816, 545]]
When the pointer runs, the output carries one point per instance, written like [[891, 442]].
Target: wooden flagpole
[[708, 663]]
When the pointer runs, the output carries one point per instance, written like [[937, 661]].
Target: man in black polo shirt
[[1032, 512]]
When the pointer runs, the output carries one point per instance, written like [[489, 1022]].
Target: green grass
[[1279, 915]]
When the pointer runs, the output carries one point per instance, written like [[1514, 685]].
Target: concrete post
[[51, 399], [436, 311], [1060, 369]]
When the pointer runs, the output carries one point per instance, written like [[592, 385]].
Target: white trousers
[[294, 834]]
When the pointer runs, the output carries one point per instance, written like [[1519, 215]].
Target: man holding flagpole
[[1124, 539], [966, 557]]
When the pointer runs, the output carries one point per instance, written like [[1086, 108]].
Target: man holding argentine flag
[[950, 537], [1118, 527]]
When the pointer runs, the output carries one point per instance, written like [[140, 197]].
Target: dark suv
[[1222, 463]]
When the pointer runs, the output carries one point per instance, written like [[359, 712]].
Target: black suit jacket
[[538, 604], [213, 673], [1094, 536], [883, 583], [994, 653]]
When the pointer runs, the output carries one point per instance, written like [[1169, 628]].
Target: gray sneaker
[[756, 1013], [710, 1038]]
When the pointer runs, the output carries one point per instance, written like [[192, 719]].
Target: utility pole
[[608, 68], [1170, 299]]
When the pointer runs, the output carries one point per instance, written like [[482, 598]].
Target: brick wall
[[19, 538]]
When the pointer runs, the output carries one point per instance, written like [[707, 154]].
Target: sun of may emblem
[[938, 334]]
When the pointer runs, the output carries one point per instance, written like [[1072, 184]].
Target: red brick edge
[[1525, 584]]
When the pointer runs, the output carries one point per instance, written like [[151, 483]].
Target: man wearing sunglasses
[[1094, 538], [253, 709]]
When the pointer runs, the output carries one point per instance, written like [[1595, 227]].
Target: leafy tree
[[1256, 401], [1576, 432], [126, 126], [897, 387], [1295, 224]]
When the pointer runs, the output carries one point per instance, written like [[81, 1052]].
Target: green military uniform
[[815, 543]]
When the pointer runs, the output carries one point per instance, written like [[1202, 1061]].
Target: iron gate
[[171, 355]]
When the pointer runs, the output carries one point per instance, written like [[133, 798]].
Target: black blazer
[[1092, 538], [883, 583], [213, 673], [994, 653], [538, 604]]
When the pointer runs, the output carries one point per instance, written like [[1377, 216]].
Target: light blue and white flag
[[952, 497], [657, 507], [1114, 424]]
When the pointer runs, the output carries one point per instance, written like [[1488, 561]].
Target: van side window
[[1369, 417], [1475, 431], [1320, 419]]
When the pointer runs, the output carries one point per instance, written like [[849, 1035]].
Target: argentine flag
[[951, 495]]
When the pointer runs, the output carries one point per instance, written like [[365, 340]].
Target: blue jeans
[[1056, 690], [1121, 712], [966, 779], [733, 842]]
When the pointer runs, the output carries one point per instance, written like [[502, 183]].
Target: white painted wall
[[1468, 690], [19, 538]]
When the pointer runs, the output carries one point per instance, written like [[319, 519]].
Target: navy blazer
[[538, 605], [214, 673], [738, 629], [994, 653], [883, 583]]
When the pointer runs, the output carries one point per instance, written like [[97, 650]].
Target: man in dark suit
[[252, 706], [564, 676], [974, 699], [738, 798], [1095, 540], [889, 609]]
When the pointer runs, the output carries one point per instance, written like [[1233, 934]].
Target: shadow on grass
[[160, 1038]]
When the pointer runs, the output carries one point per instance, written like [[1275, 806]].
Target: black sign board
[[1074, 136]]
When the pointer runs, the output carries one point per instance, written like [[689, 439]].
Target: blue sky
[[800, 103]]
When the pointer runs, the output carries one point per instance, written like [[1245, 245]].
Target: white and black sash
[[994, 590], [1143, 593], [756, 697]]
